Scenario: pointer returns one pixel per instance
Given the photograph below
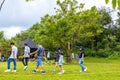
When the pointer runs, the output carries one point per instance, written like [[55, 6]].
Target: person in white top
[[12, 58], [72, 56], [48, 55], [26, 56]]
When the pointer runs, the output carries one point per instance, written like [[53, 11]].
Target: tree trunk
[[68, 59], [92, 46]]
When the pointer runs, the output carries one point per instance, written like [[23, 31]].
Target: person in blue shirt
[[40, 53], [81, 56]]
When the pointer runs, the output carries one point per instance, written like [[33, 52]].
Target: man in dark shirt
[[81, 56]]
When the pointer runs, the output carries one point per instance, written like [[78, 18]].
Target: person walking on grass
[[73, 56], [48, 55], [40, 53], [12, 58], [57, 57], [82, 54], [26, 56], [61, 62]]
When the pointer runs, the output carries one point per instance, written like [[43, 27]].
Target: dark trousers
[[25, 61]]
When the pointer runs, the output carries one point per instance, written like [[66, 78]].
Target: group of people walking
[[59, 60]]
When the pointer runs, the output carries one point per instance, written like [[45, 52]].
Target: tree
[[69, 24], [1, 38], [114, 3]]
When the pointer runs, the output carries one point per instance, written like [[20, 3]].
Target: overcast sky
[[18, 15]]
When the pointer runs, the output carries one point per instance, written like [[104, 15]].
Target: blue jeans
[[14, 63], [81, 64]]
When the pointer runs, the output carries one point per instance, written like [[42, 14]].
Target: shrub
[[115, 54], [117, 48], [90, 52], [104, 52]]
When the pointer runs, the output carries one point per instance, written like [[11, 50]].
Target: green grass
[[98, 69]]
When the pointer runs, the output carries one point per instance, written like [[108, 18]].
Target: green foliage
[[72, 26], [119, 3], [104, 52], [1, 38], [90, 52], [28, 0], [117, 48], [106, 16], [1, 35], [106, 1], [114, 3]]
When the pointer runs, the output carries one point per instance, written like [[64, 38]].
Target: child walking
[[61, 61], [57, 57]]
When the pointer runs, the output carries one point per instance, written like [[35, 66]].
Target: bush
[[115, 54], [104, 52], [90, 52], [117, 48]]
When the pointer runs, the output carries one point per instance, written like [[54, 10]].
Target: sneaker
[[34, 71], [85, 69], [43, 72], [14, 71], [8, 70], [25, 68]]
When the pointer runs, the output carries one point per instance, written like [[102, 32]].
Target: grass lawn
[[98, 69]]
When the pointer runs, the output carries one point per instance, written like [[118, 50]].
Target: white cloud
[[19, 12], [11, 31]]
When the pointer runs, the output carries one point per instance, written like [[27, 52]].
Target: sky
[[18, 15]]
